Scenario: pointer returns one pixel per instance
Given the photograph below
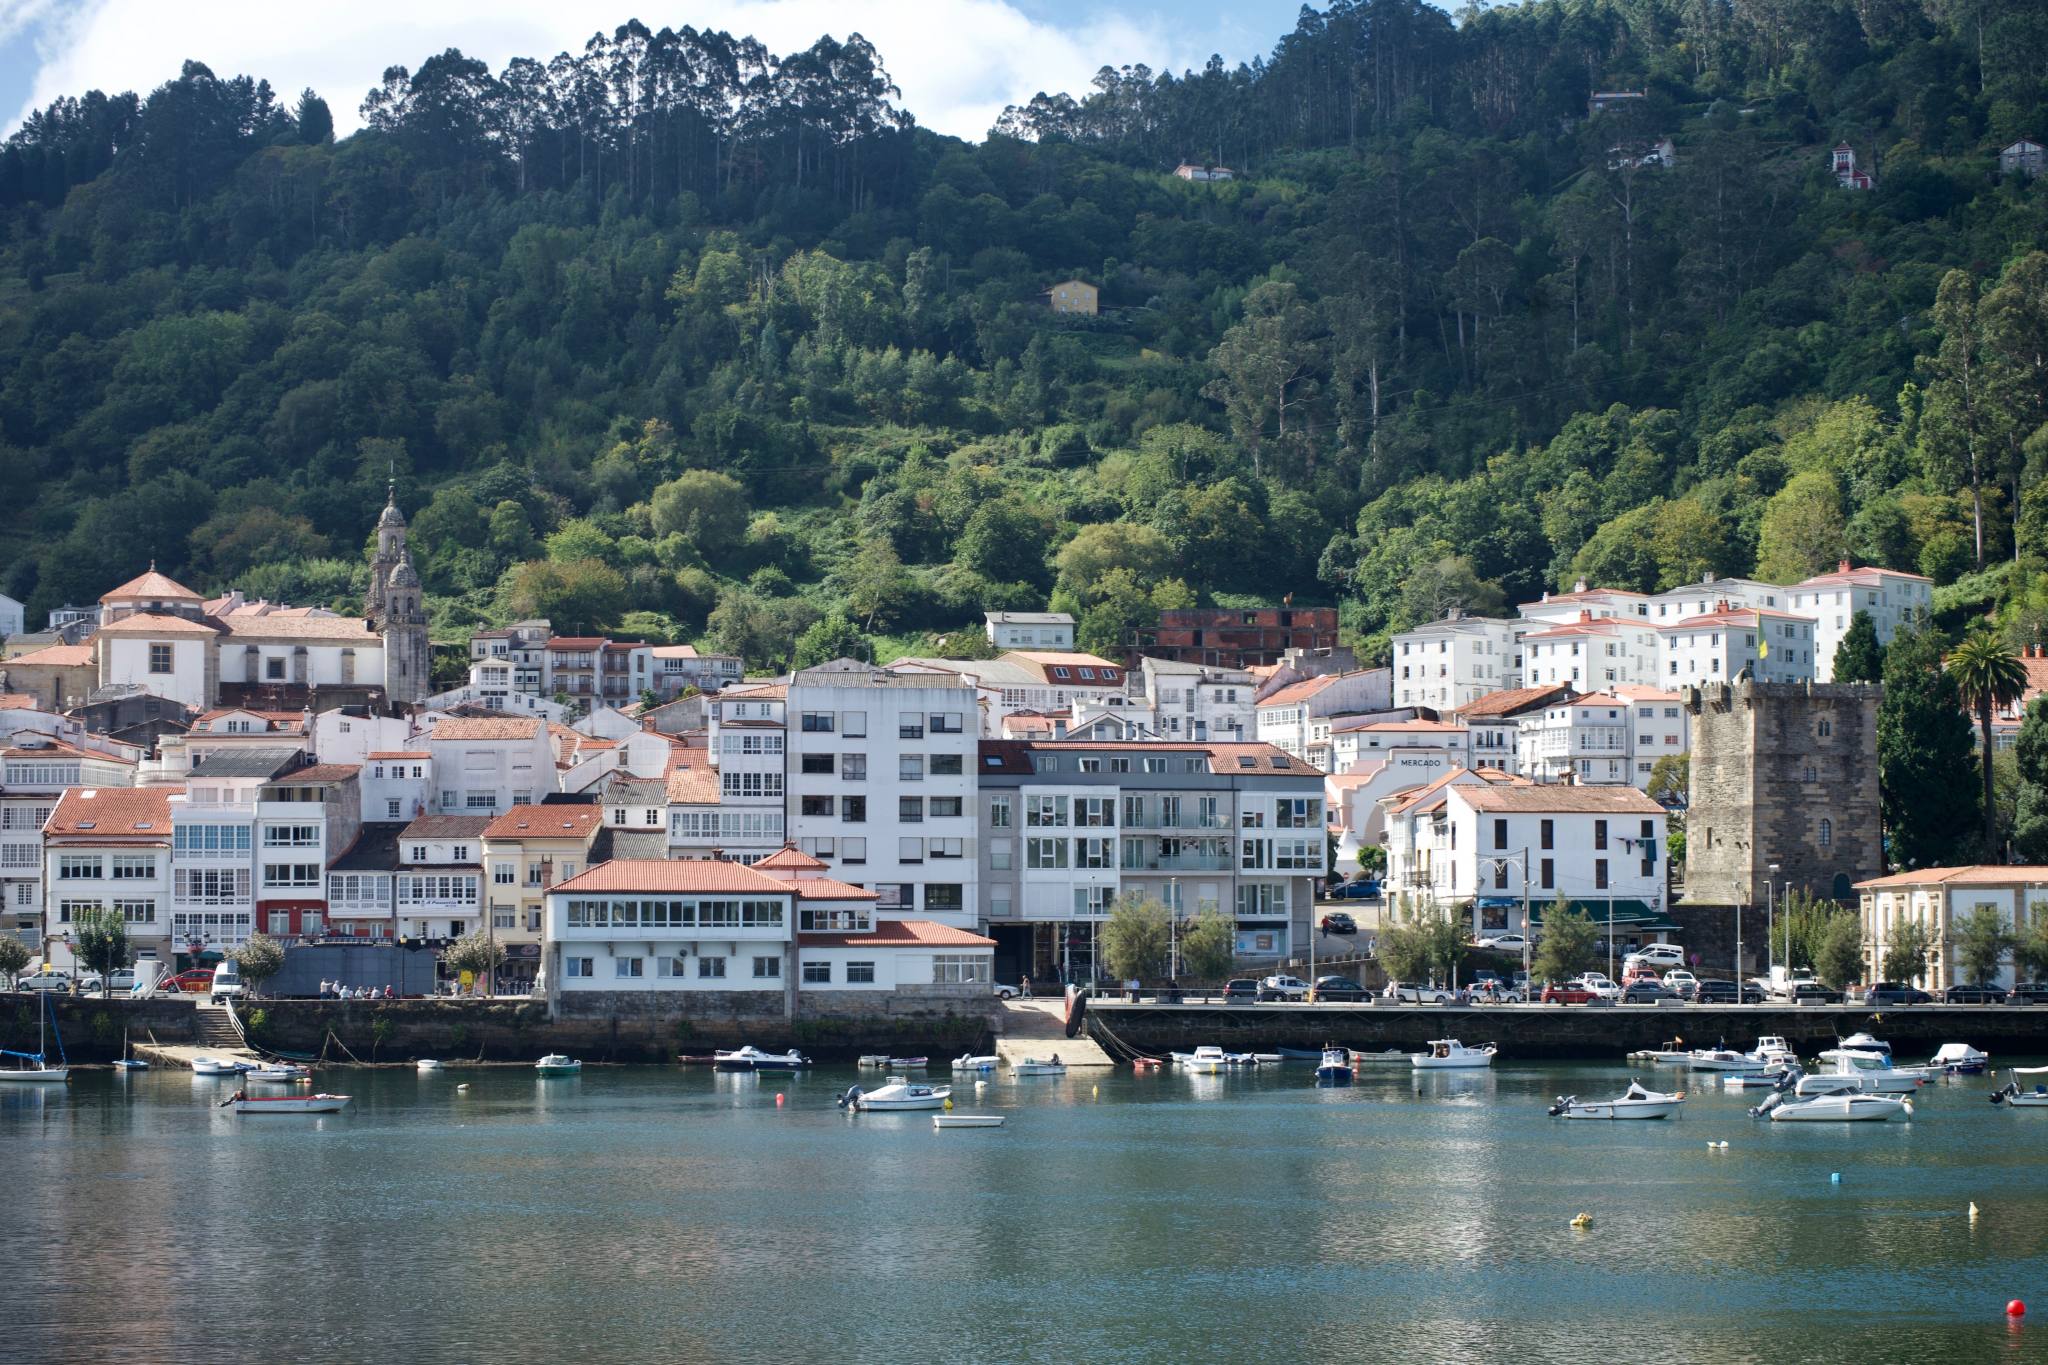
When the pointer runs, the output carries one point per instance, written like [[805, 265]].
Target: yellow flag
[[1763, 651]]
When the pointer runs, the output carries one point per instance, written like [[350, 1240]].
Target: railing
[[1179, 822], [1218, 863]]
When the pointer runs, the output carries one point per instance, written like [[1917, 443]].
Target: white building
[[398, 785], [109, 849], [1774, 646], [13, 618], [1694, 599], [678, 667], [1938, 899], [487, 765], [881, 785], [1008, 630], [1362, 740], [35, 771], [171, 656], [1582, 602], [1593, 654], [1584, 739], [1298, 717], [1893, 600], [440, 876], [1198, 702], [1600, 848], [1660, 727], [1450, 663], [748, 746], [1494, 722]]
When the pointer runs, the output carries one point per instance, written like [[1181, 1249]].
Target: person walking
[[1024, 986]]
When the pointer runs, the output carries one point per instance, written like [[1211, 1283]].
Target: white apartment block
[[1450, 663], [1892, 599], [398, 785], [1593, 654], [1582, 602], [440, 876], [109, 849], [1695, 599], [1774, 646], [1198, 702], [1660, 727], [35, 771], [738, 812], [1585, 739], [881, 785], [1008, 630], [487, 765], [1299, 717]]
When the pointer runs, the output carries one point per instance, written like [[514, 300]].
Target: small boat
[[696, 1059], [1960, 1059], [555, 1064], [1753, 1080], [243, 1103], [967, 1120], [1039, 1066], [1772, 1050], [287, 1073], [1839, 1107], [1391, 1057], [1673, 1053], [1205, 1060], [898, 1093], [908, 1063], [427, 1064], [216, 1066], [1724, 1059], [753, 1059], [874, 1059], [131, 1064], [973, 1063], [33, 1068], [1637, 1102], [1336, 1067], [1863, 1042], [2013, 1096], [1261, 1058], [1864, 1081], [1848, 1059], [1450, 1054], [1147, 1063]]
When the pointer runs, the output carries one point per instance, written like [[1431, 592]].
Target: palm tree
[[1989, 676]]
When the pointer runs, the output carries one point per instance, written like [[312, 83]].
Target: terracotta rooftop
[[486, 727], [1510, 700], [1859, 576], [324, 772], [139, 814], [17, 701], [153, 586], [1980, 874], [1299, 691], [1732, 616], [693, 786], [151, 623], [1568, 800], [680, 878], [53, 656], [349, 630], [788, 859], [900, 933], [545, 822]]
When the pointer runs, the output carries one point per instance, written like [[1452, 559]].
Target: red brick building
[[1227, 638]]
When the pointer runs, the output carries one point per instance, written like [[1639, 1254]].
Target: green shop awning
[[1633, 916]]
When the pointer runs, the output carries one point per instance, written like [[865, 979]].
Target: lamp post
[[1771, 927], [1738, 943]]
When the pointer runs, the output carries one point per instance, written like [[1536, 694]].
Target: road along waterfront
[[641, 1213]]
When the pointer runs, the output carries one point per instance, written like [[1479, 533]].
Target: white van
[[227, 982], [1657, 955]]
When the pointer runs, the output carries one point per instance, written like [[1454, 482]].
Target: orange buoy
[[2016, 1309], [778, 1099]]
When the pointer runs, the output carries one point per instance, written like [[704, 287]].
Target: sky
[[958, 62]]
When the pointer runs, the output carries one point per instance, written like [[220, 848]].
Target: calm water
[[678, 1215]]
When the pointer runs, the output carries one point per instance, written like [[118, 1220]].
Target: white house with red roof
[[1894, 600], [1690, 599], [1584, 602], [1582, 739], [109, 848], [1359, 740], [1772, 646], [1590, 653], [1298, 717]]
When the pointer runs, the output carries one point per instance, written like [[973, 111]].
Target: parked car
[[1420, 995], [122, 980], [1364, 889], [1242, 989], [1566, 993], [1495, 993], [89, 983], [1486, 978], [1598, 984], [1502, 943], [1646, 990], [1640, 971], [1337, 922], [1814, 993], [1005, 991], [1283, 988], [48, 979], [198, 981], [1894, 993], [1679, 981], [2029, 993], [1336, 988], [1660, 954], [1722, 992], [1788, 988], [1983, 993]]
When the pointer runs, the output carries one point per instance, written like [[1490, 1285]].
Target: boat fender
[[948, 1106], [1834, 1177], [778, 1099]]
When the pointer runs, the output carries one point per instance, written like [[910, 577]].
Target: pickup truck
[[1597, 984]]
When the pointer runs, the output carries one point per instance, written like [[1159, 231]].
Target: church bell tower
[[396, 607]]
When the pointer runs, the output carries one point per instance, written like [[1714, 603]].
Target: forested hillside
[[682, 338]]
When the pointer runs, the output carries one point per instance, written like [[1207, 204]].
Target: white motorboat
[[1039, 1066], [1441, 1054], [427, 1064], [1833, 1108], [1724, 1059], [1876, 1080], [33, 1068], [1335, 1068], [897, 1093], [753, 1059], [1673, 1053], [556, 1064], [215, 1066], [973, 1063], [1390, 1057], [1863, 1042], [285, 1073], [1960, 1059], [1637, 1102], [2014, 1095], [1754, 1080], [1204, 1060], [1773, 1050], [1845, 1059], [967, 1120], [243, 1103], [875, 1060]]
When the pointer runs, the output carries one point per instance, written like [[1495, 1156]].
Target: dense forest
[[681, 338]]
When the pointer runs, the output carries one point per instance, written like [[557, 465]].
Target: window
[[133, 867], [1045, 853], [710, 969], [946, 722], [391, 810], [942, 806], [1827, 833], [291, 874], [818, 763], [910, 850], [1500, 834], [291, 836], [1048, 812], [958, 969], [860, 973], [910, 809], [1599, 834], [578, 966], [1549, 837], [503, 917], [853, 724], [999, 812], [853, 767], [945, 765], [853, 850], [853, 809], [893, 896], [814, 722], [945, 848], [1549, 875], [999, 855], [767, 968], [910, 729], [67, 911], [910, 768], [750, 784], [1095, 853], [817, 973], [210, 886], [160, 658], [816, 805], [77, 867], [1600, 874], [1500, 875]]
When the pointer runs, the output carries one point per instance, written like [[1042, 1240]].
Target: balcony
[[1183, 863], [1185, 820]]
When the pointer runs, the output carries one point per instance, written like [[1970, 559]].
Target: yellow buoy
[[1584, 1220], [949, 1104]]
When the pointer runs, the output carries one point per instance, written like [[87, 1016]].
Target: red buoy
[[2016, 1309]]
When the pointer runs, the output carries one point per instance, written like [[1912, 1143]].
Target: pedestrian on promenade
[[1024, 986]]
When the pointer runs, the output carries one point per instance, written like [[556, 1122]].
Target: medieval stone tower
[[1782, 773], [397, 610]]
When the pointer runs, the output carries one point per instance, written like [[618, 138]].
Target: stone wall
[[1782, 773], [91, 1028]]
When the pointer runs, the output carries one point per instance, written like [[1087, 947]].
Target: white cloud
[[958, 62]]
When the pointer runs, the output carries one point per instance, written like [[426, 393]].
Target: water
[[680, 1215]]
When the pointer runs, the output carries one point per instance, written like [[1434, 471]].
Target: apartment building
[[1583, 602], [109, 848], [1694, 599], [1358, 740], [674, 669], [881, 785], [1773, 646], [1072, 826], [1593, 654], [1198, 703], [35, 771], [527, 852], [440, 875], [749, 747], [1008, 630], [1893, 600], [484, 765], [1299, 717], [1938, 899], [362, 883], [1454, 662]]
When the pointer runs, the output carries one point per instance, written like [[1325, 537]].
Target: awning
[[1632, 916]]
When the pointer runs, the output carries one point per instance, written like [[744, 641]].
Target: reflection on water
[[680, 1214]]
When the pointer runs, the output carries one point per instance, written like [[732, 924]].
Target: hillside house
[[1073, 296], [1188, 170], [1846, 173], [2025, 157]]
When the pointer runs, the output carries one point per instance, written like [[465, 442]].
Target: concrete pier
[[1038, 1029]]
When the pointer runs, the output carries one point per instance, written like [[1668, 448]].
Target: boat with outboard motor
[[217, 1066], [897, 1093], [1673, 1053], [556, 1064], [970, 1062], [1335, 1068], [1837, 1102], [1039, 1066], [2013, 1093], [751, 1058], [1206, 1060], [1637, 1102], [281, 1073], [244, 1103], [1442, 1054]]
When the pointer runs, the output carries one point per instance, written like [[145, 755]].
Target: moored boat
[[1336, 1067], [556, 1064], [1147, 1063], [970, 1062], [427, 1064], [1393, 1056], [1724, 1059], [898, 1093], [967, 1120], [215, 1066], [1206, 1060], [33, 1068], [1039, 1066], [1839, 1107], [285, 1073], [873, 1059], [1450, 1054], [1637, 1102], [1960, 1059], [244, 1103], [754, 1059], [2014, 1095], [1673, 1053]]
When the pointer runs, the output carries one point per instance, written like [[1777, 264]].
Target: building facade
[[1893, 600], [1454, 662]]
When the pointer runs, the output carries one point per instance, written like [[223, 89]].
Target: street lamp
[[1771, 926]]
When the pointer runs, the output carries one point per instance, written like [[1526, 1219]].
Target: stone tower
[[397, 609], [1782, 773]]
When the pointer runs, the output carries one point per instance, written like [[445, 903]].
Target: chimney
[[1585, 615], [1708, 577], [1841, 566]]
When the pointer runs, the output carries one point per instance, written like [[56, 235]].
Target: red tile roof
[[17, 701], [1299, 691], [53, 656], [1860, 575], [900, 933], [130, 814], [1565, 800], [791, 860], [323, 772], [545, 822], [1509, 701], [679, 878], [153, 586], [486, 727], [151, 623], [1982, 874], [693, 786]]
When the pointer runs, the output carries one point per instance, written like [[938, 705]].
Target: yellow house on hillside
[[1072, 296]]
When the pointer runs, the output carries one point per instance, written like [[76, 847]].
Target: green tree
[[1670, 778], [1428, 945], [580, 597], [1930, 800], [1905, 957], [1372, 859], [1803, 529], [1135, 937], [1208, 945], [1838, 957], [1960, 420], [1570, 944], [1859, 657], [706, 508], [1982, 941], [14, 955], [2030, 754], [830, 637], [101, 941], [876, 584], [477, 953], [1988, 678], [1004, 543], [2030, 946], [1265, 367], [259, 959]]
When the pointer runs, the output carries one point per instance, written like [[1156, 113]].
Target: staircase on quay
[[214, 1035]]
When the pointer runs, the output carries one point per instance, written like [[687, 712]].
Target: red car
[[1565, 995], [198, 981]]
